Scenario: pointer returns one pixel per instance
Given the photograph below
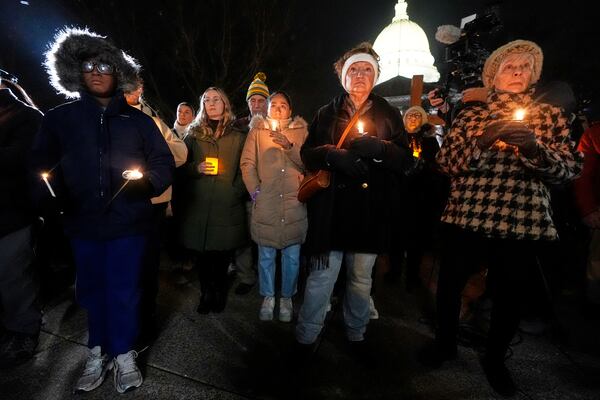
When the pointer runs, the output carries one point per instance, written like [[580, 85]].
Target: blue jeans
[[317, 294], [290, 266]]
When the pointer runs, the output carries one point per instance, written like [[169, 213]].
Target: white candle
[[361, 127], [274, 125], [45, 179]]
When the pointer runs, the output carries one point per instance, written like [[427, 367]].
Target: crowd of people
[[218, 192]]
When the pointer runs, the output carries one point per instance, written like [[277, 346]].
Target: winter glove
[[347, 162], [368, 146], [496, 131], [525, 141], [138, 189]]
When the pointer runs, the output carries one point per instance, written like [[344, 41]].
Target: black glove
[[525, 141], [368, 146], [347, 162], [138, 189], [497, 131]]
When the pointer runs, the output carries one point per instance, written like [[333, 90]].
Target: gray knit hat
[[72, 46]]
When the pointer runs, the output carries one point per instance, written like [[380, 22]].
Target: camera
[[465, 57]]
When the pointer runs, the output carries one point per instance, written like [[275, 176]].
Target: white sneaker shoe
[[266, 309], [286, 309], [127, 374], [94, 372], [373, 313]]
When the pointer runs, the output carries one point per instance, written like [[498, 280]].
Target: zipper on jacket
[[100, 154]]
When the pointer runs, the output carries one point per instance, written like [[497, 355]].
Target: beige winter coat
[[278, 219]]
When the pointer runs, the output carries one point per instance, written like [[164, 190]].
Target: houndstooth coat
[[498, 192]]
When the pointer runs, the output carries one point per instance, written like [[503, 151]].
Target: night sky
[[294, 42]]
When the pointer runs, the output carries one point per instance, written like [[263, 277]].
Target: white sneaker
[[127, 374], [266, 309], [286, 309], [94, 372], [373, 313]]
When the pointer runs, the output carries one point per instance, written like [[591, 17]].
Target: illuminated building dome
[[404, 49]]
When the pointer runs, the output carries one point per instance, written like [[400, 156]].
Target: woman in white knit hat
[[350, 220], [501, 157]]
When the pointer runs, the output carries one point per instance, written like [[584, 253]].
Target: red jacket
[[587, 186]]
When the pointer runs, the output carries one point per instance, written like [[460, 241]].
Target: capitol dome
[[404, 49]]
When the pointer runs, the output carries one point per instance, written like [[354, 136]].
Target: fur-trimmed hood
[[258, 121], [72, 46]]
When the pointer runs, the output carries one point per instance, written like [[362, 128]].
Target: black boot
[[220, 301], [207, 298], [498, 376]]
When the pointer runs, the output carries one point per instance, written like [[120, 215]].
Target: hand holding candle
[[210, 166]]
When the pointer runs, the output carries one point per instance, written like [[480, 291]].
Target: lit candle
[[132, 174], [274, 125], [45, 179], [361, 127], [519, 114], [214, 162]]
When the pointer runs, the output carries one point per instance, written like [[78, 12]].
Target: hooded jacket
[[85, 148]]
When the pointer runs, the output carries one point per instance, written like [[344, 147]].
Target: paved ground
[[235, 356]]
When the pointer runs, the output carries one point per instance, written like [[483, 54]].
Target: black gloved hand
[[368, 146], [497, 131], [347, 162], [138, 189], [524, 140]]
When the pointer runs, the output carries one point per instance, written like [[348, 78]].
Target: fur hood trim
[[72, 46], [258, 121]]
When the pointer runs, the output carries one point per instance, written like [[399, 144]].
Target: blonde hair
[[200, 122]]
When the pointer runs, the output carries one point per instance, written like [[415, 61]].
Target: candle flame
[[519, 114], [45, 175], [361, 127], [274, 125], [132, 174]]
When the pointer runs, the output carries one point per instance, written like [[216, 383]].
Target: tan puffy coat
[[278, 219]]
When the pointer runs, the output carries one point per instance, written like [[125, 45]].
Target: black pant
[[212, 273], [149, 277], [513, 267]]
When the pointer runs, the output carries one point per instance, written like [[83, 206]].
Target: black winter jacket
[[86, 149], [346, 216]]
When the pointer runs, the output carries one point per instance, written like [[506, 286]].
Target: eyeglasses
[[103, 68]]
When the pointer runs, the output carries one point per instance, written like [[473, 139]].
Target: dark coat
[[86, 149], [212, 209], [345, 216], [18, 126]]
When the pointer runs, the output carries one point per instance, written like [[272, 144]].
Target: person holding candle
[[272, 171], [498, 210], [212, 213], [20, 317], [423, 198], [85, 146], [351, 219]]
